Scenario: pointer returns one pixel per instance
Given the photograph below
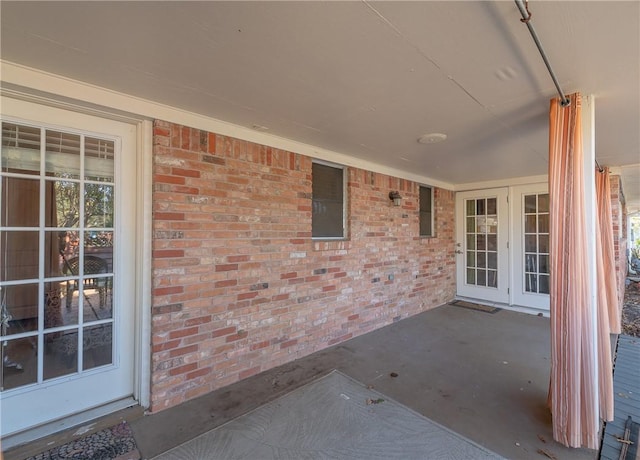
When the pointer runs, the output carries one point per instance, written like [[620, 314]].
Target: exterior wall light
[[396, 198]]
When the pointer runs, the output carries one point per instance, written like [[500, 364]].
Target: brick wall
[[619, 219], [238, 284]]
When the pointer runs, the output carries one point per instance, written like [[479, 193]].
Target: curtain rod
[[526, 18]]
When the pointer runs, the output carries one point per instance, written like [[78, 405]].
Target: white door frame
[[498, 295], [141, 286]]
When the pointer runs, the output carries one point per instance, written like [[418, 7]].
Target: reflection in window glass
[[99, 156], [536, 243], [56, 247], [327, 220], [20, 149], [98, 205], [62, 157], [481, 242], [426, 213], [60, 353], [19, 363], [97, 346], [20, 212], [62, 204]]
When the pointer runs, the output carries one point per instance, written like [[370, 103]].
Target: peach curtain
[[607, 271], [572, 388]]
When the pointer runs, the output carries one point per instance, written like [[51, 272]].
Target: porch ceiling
[[365, 79]]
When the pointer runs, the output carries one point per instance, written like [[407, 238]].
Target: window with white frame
[[426, 211], [328, 211]]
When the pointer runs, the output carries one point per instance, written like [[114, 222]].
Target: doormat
[[113, 443], [331, 417], [475, 306]]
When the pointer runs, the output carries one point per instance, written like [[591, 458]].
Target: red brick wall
[[238, 284], [619, 219]]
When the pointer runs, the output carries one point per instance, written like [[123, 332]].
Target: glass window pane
[[531, 284], [60, 353], [530, 243], [20, 202], [543, 241], [98, 206], [22, 304], [97, 346], [543, 202], [20, 149], [471, 276], [492, 224], [19, 253], [471, 207], [62, 157], [471, 225], [482, 260], [530, 224], [100, 244], [55, 312], [530, 204], [97, 298], [492, 242], [492, 206], [328, 202], [492, 278], [425, 224], [481, 242], [530, 263], [471, 242], [544, 284], [19, 362], [543, 223], [62, 204], [481, 278], [543, 264], [492, 260], [471, 259], [481, 224], [98, 159], [481, 208]]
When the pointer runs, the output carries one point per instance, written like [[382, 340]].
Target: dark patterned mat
[[113, 443], [474, 306]]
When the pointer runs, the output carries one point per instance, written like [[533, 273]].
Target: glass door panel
[[483, 269], [46, 272]]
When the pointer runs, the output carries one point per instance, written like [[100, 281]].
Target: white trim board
[[56, 87]]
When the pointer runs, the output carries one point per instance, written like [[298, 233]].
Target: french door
[[482, 227], [531, 246], [67, 245]]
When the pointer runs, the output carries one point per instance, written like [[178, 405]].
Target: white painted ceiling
[[365, 79]]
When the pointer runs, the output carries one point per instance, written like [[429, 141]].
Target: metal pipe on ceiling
[[526, 18]]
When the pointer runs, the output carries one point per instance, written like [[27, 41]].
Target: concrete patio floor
[[482, 375]]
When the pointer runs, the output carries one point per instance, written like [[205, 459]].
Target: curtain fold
[[607, 271], [608, 306], [572, 387]]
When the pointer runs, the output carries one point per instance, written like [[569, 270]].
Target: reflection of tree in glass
[[98, 204]]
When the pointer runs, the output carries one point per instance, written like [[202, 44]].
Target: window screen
[[426, 213], [328, 201]]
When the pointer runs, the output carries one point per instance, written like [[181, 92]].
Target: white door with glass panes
[[531, 246], [482, 227], [67, 245]]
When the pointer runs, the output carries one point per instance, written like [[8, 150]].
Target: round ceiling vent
[[432, 138]]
